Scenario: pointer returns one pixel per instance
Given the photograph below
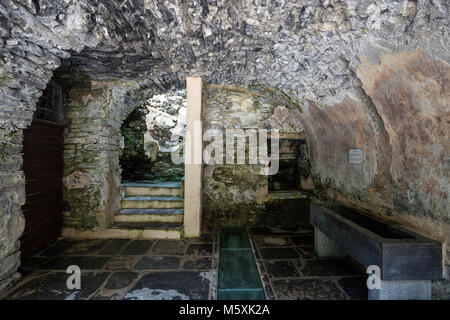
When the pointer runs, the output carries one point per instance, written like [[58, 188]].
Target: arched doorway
[[43, 169]]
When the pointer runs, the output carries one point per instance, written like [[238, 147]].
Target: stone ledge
[[145, 234]]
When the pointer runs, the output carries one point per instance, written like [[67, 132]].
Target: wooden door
[[42, 165]]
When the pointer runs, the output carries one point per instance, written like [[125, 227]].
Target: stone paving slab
[[271, 241], [121, 263], [110, 269], [114, 246], [307, 289], [84, 262], [158, 262], [323, 268], [88, 247], [121, 280], [197, 264], [279, 253], [170, 247], [290, 270], [59, 248], [187, 269], [199, 249], [303, 240], [52, 286], [282, 269], [207, 237], [181, 285], [137, 247]]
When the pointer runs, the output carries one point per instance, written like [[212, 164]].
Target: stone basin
[[401, 254]]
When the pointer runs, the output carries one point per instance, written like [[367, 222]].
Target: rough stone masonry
[[372, 75]]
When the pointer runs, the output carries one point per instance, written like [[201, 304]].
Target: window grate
[[49, 106]]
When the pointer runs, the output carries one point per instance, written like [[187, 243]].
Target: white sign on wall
[[355, 156]]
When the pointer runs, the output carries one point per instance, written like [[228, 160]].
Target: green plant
[[129, 140]]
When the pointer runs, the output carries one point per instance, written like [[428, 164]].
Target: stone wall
[[91, 144], [379, 66], [234, 194], [399, 127], [93, 115], [12, 197]]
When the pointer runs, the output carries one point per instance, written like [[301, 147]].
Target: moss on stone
[[286, 195], [394, 187], [320, 188], [231, 214]]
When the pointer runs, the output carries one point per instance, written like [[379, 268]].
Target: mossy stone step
[[152, 211], [153, 198], [149, 215], [152, 202], [142, 230], [148, 225], [147, 184], [152, 188]]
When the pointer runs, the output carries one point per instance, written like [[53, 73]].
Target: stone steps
[[152, 202], [144, 188], [150, 230], [150, 210], [150, 215]]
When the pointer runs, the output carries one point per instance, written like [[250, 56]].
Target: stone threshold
[[123, 233], [152, 198]]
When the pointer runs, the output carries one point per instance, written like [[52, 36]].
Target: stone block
[[326, 247], [402, 290]]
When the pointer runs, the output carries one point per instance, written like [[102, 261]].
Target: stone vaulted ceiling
[[364, 67], [308, 46], [371, 74]]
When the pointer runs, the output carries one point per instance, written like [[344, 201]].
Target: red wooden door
[[42, 165]]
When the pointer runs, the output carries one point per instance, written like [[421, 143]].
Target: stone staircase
[[151, 210]]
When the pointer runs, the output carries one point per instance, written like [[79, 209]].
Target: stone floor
[[170, 269], [121, 269], [291, 271]]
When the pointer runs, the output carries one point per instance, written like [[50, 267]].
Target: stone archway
[[92, 147], [381, 69]]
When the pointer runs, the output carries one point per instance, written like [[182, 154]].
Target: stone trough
[[407, 261]]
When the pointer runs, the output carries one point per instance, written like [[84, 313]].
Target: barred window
[[49, 106]]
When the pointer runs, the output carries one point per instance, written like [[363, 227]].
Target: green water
[[238, 275]]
